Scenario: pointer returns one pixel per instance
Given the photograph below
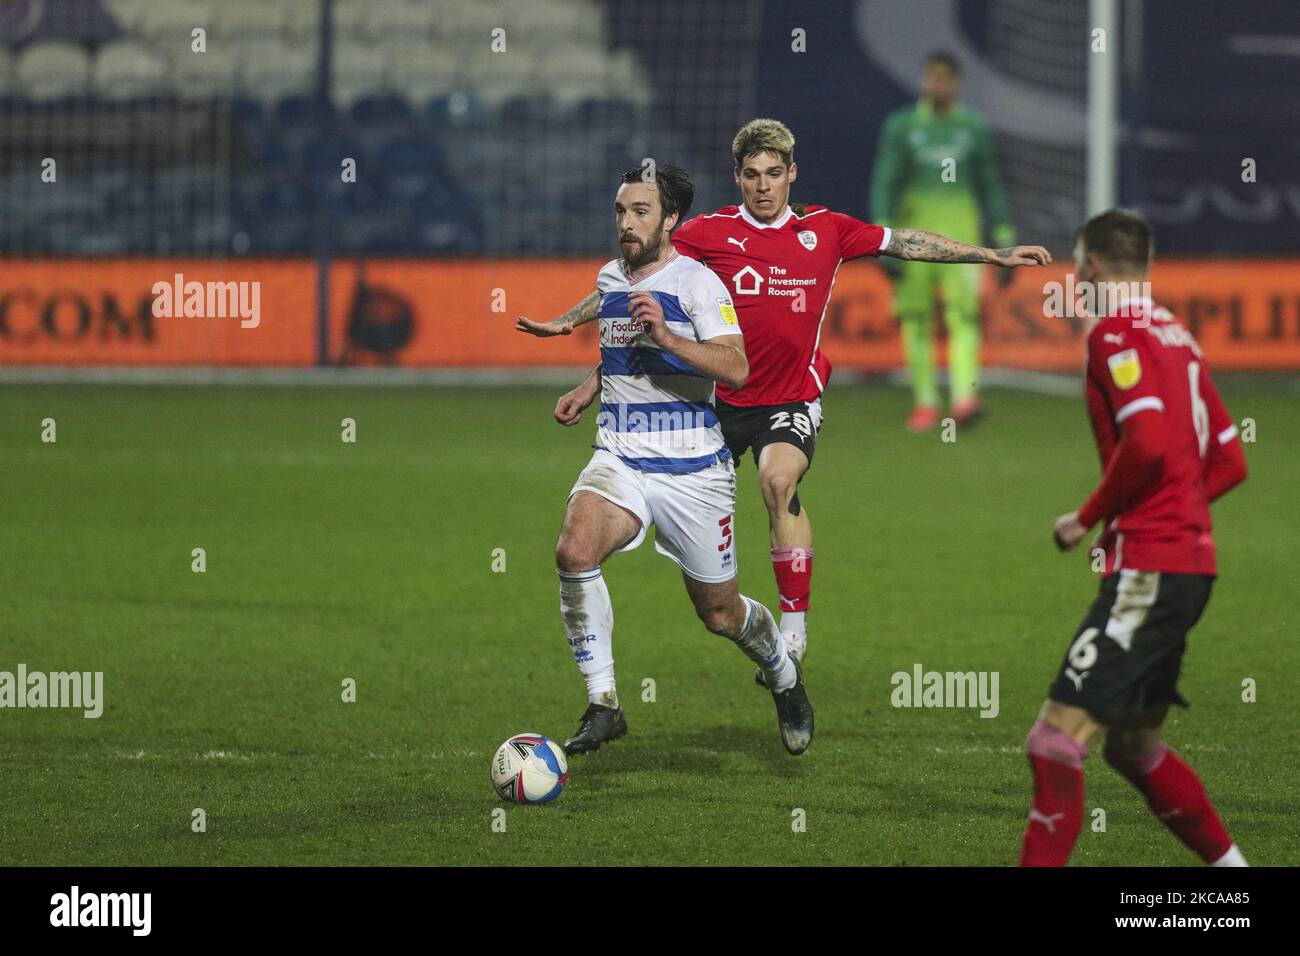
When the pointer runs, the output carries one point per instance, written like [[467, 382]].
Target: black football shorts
[[1128, 652], [754, 427]]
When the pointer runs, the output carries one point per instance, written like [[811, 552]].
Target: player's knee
[[719, 619], [778, 488], [572, 553], [1133, 757], [1044, 740]]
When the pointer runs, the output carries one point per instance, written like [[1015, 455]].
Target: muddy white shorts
[[691, 513]]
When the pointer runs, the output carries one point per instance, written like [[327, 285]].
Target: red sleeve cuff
[[1090, 512]]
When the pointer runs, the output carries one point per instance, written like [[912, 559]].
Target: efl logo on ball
[[529, 768]]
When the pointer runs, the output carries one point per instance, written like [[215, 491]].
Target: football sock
[[963, 353], [1177, 797], [762, 644], [589, 626], [1056, 759], [795, 622], [793, 570], [918, 348], [1232, 858]]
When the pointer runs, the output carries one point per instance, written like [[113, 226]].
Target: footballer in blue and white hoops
[[668, 332]]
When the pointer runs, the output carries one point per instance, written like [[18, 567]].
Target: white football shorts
[[692, 513]]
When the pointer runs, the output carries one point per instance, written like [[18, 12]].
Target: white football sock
[[763, 644], [794, 628], [1232, 858], [794, 621], [589, 626]]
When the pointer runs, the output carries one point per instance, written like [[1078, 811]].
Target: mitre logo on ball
[[809, 239]]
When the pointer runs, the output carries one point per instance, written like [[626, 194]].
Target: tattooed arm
[[582, 313], [932, 247]]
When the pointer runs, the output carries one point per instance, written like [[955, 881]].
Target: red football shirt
[[1145, 360], [780, 277]]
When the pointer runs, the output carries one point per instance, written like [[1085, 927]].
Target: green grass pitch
[[374, 561]]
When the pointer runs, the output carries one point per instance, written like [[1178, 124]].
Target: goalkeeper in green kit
[[935, 170]]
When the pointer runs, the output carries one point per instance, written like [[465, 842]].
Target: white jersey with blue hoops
[[656, 411]]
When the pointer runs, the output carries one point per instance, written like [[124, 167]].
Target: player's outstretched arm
[[931, 247], [568, 410], [580, 314], [721, 358]]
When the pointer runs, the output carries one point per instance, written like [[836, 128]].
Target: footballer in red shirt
[[779, 262], [1168, 449]]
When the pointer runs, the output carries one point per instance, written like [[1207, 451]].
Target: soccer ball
[[529, 768]]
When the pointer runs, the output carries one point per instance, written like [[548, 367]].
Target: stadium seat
[[272, 69], [615, 115], [457, 109], [128, 13], [381, 109], [422, 71], [302, 110], [358, 71], [168, 26], [199, 75], [392, 19], [381, 231], [626, 78], [259, 149], [269, 196], [471, 24], [345, 199], [409, 164], [209, 232], [246, 110], [527, 112], [125, 68], [558, 23], [54, 70], [98, 240], [281, 234], [239, 20], [302, 19], [575, 72], [8, 84], [449, 235], [498, 76]]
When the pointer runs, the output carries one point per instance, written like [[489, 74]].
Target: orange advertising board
[[460, 313]]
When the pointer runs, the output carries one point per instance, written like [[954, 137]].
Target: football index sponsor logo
[[951, 689], [134, 910], [623, 333], [75, 689]]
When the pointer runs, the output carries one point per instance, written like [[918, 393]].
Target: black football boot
[[598, 725], [794, 714]]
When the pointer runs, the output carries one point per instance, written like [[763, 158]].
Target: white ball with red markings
[[529, 768]]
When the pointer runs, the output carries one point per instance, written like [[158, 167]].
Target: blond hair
[[763, 136]]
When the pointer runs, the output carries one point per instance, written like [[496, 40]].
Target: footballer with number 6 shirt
[[779, 262], [1168, 449]]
